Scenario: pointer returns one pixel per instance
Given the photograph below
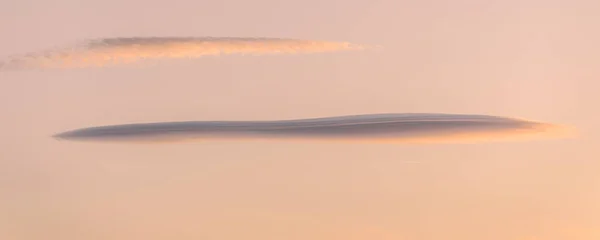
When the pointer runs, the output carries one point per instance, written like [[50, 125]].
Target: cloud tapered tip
[[63, 136]]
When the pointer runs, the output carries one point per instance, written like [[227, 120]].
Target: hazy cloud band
[[101, 52], [406, 128]]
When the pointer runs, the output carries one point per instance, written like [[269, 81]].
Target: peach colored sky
[[528, 58]]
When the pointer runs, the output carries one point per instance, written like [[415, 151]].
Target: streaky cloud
[[111, 51], [397, 128]]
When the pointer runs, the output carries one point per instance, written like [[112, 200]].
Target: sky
[[530, 59]]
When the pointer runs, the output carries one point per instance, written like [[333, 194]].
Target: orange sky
[[528, 58]]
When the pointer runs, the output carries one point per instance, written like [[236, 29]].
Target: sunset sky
[[529, 59]]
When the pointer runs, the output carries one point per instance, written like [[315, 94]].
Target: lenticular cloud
[[399, 128], [102, 52]]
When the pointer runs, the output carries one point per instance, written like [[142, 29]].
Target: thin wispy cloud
[[400, 128], [109, 51]]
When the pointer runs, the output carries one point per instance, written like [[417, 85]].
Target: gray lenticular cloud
[[102, 52], [401, 128]]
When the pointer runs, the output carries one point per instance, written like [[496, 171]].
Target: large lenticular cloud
[[401, 128], [103, 52]]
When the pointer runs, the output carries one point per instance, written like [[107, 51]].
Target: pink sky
[[529, 58]]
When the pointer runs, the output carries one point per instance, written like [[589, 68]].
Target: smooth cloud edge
[[538, 131]]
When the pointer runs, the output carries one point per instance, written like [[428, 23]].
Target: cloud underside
[[432, 128], [103, 52]]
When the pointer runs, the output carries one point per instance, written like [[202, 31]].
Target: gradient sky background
[[522, 58]]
